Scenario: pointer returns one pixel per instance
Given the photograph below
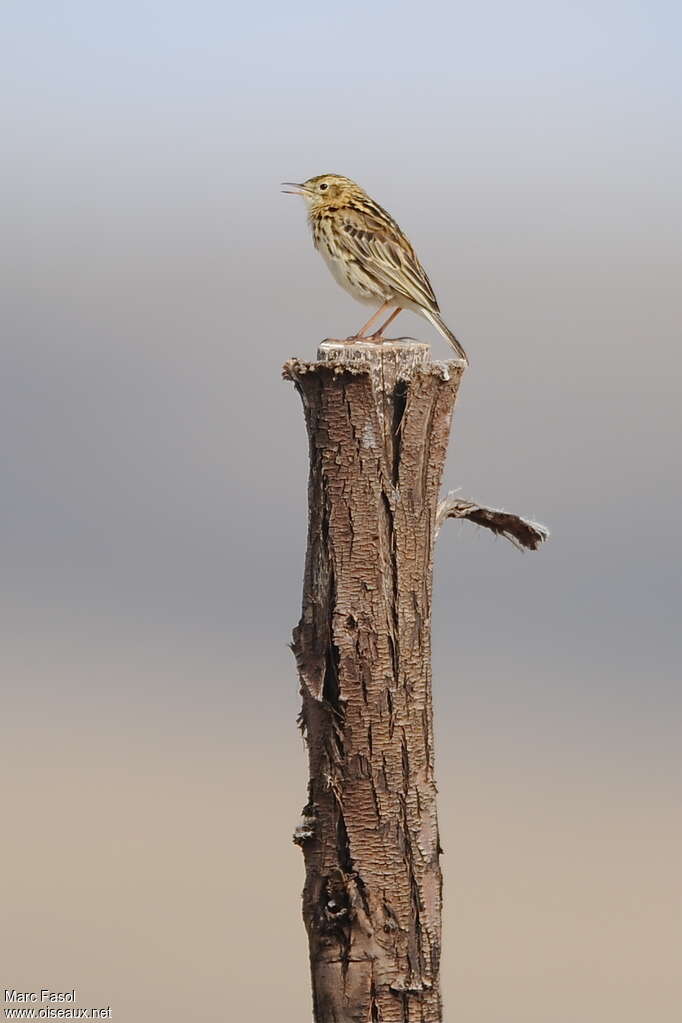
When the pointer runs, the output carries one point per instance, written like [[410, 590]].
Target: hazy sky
[[154, 486]]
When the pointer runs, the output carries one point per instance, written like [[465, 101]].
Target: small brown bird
[[368, 254]]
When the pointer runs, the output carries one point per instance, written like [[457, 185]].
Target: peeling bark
[[524, 534], [378, 421]]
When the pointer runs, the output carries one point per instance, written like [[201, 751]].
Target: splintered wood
[[378, 420]]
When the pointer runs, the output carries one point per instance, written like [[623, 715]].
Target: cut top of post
[[403, 355]]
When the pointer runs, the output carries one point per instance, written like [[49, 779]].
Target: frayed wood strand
[[524, 534]]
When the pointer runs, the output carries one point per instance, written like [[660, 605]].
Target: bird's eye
[[324, 186]]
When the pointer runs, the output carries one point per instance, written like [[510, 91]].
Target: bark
[[524, 534], [378, 421]]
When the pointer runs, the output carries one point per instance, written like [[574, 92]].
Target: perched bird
[[367, 253]]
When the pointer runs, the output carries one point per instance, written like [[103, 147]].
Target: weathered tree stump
[[378, 420]]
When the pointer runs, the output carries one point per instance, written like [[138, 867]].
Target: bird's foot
[[355, 339]]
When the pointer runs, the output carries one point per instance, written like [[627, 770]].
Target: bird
[[368, 254]]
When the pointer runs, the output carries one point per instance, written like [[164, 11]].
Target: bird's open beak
[[292, 188]]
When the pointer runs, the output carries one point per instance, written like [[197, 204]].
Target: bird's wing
[[372, 237]]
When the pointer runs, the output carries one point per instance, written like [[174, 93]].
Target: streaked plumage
[[367, 253]]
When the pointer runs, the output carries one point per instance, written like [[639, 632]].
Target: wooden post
[[378, 419]]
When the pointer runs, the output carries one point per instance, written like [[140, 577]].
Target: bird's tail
[[441, 327]]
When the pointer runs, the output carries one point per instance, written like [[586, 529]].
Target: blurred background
[[154, 488]]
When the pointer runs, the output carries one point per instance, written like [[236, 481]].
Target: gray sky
[[154, 469]]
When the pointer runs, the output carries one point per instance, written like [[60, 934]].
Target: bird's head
[[324, 190]]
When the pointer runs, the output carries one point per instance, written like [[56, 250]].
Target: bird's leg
[[361, 334], [378, 335]]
